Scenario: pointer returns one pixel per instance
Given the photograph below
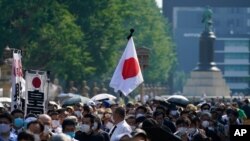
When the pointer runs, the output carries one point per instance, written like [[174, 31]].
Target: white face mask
[[191, 130], [205, 123], [47, 129], [173, 112], [94, 127], [100, 116], [205, 111], [37, 137], [85, 128], [78, 113], [182, 129], [133, 127], [55, 123], [109, 125], [154, 108], [139, 115]]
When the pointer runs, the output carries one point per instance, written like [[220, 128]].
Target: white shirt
[[121, 128]]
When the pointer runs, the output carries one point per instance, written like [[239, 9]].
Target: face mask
[[71, 134], [94, 126], [205, 123], [4, 128], [18, 122], [109, 125], [173, 112], [139, 115], [182, 129], [191, 130], [133, 127], [55, 123], [100, 116], [211, 128], [205, 111], [37, 137], [154, 108], [78, 113], [85, 128], [47, 129]]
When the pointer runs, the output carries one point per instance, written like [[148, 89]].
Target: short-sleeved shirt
[[12, 137]]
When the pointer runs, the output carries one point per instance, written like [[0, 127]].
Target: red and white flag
[[127, 75], [17, 81]]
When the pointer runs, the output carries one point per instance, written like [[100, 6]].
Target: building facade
[[231, 24]]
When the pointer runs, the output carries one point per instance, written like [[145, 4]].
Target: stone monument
[[206, 77]]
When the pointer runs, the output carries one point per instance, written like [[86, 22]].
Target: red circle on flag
[[36, 82], [130, 68]]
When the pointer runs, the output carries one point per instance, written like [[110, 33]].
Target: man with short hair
[[24, 136], [86, 132], [68, 128], [36, 129], [121, 126], [18, 123], [5, 128]]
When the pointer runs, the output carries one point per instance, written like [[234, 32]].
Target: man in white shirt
[[121, 126]]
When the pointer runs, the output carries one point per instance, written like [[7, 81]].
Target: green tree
[[49, 36], [105, 35], [106, 24]]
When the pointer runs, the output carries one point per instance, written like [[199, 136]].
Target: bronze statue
[[95, 89], [85, 89], [72, 88], [59, 88], [103, 89], [207, 19]]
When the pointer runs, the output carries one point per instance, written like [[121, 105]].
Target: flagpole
[[119, 93], [48, 81], [131, 33]]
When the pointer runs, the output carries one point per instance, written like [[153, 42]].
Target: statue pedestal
[[209, 82]]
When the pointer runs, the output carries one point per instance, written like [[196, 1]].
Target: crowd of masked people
[[156, 120]]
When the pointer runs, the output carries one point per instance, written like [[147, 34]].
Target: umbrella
[[103, 96], [5, 99], [74, 100], [179, 100]]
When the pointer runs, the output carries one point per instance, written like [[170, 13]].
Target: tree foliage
[[78, 39]]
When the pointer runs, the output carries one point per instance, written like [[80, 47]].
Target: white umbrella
[[5, 100], [103, 96]]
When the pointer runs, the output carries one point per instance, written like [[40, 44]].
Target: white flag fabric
[[36, 92], [17, 81], [127, 75]]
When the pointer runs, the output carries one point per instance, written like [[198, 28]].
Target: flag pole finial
[[131, 33]]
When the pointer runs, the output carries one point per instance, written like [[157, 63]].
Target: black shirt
[[91, 137]]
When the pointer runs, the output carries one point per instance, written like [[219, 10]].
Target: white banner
[[17, 81], [36, 92]]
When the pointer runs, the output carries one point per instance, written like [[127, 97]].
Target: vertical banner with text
[[17, 81], [36, 92]]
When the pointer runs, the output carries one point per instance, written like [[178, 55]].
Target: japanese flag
[[127, 75]]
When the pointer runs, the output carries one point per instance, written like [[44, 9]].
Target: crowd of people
[[156, 120]]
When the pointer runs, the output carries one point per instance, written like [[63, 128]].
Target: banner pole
[[48, 82]]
